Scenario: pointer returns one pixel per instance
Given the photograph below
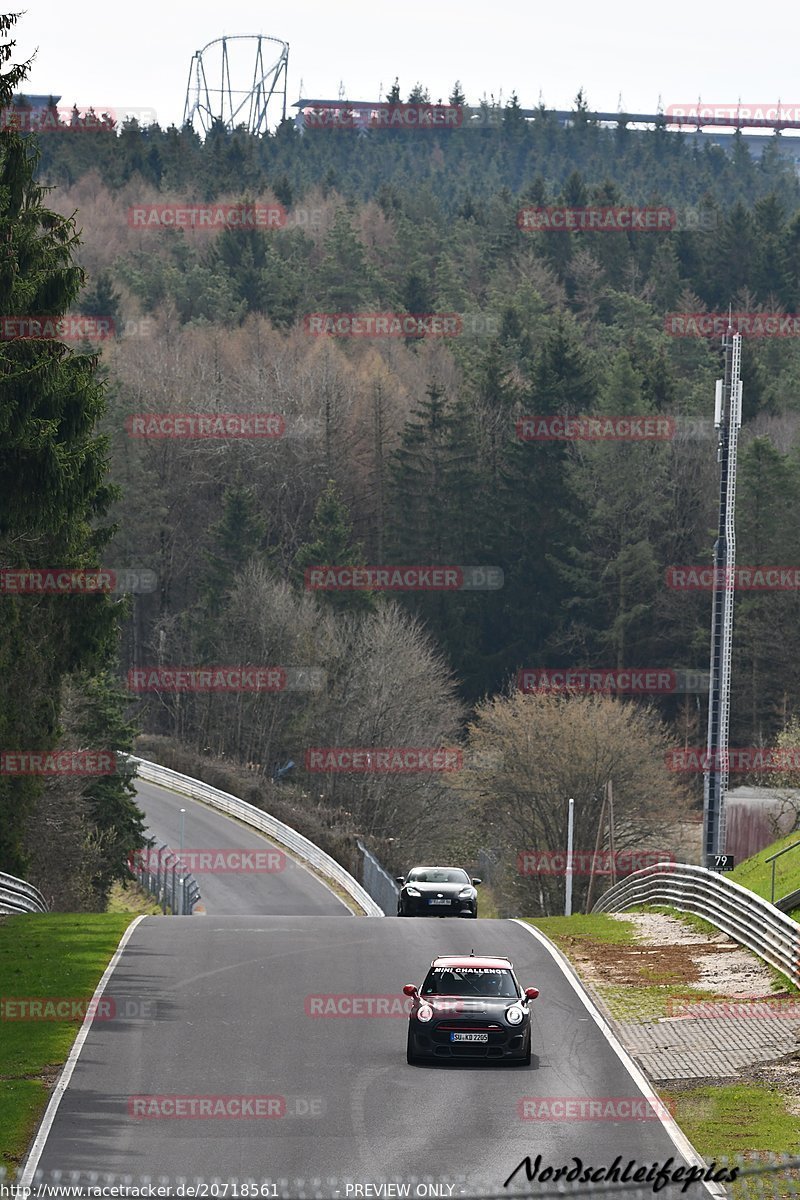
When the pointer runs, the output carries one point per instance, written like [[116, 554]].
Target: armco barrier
[[264, 823], [17, 896], [378, 882], [744, 916], [788, 902]]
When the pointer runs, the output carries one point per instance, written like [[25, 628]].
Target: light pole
[[180, 859], [568, 890]]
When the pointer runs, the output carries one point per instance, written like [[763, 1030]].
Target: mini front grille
[[482, 1027]]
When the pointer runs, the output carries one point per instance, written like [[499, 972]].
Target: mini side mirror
[[410, 989], [531, 993], [476, 882], [400, 878]]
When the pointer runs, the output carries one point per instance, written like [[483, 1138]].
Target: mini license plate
[[469, 1037], [438, 901]]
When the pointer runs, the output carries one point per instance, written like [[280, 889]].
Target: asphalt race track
[[220, 1008], [291, 892]]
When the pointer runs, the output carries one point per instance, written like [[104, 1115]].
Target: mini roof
[[477, 960]]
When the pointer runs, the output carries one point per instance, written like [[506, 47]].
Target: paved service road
[[293, 891], [228, 1018]]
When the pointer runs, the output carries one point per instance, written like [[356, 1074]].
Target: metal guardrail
[[256, 818], [173, 889], [17, 896], [378, 882], [789, 901], [773, 859], [744, 916]]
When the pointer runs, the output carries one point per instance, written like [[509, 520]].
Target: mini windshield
[[470, 981], [437, 875]]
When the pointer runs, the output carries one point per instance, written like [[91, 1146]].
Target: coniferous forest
[[397, 450]]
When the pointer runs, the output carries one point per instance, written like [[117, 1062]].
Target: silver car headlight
[[410, 891], [515, 1015], [466, 893], [424, 1012]]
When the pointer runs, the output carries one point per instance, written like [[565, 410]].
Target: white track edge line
[[672, 1128], [35, 1153]]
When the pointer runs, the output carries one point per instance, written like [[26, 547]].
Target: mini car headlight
[[514, 1015], [466, 893], [412, 891], [424, 1012]]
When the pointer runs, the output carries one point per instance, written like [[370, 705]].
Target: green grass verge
[[736, 1118], [755, 873], [651, 1001], [131, 898], [591, 927], [44, 955]]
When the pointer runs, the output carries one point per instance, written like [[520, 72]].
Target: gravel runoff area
[[680, 1039]]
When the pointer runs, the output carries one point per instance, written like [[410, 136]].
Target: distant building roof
[[23, 100], [763, 794]]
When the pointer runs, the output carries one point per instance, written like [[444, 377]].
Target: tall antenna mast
[[728, 420]]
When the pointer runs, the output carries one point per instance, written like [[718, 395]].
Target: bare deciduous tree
[[540, 750]]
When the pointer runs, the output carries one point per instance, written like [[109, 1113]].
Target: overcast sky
[[113, 55]]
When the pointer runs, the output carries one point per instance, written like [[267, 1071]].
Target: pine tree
[[332, 545], [623, 485], [439, 517], [538, 512], [53, 490], [346, 281], [115, 819], [102, 300], [236, 538]]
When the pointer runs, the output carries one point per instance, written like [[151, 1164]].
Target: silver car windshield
[[440, 875]]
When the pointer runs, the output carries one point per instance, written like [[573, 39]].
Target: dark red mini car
[[470, 1007]]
